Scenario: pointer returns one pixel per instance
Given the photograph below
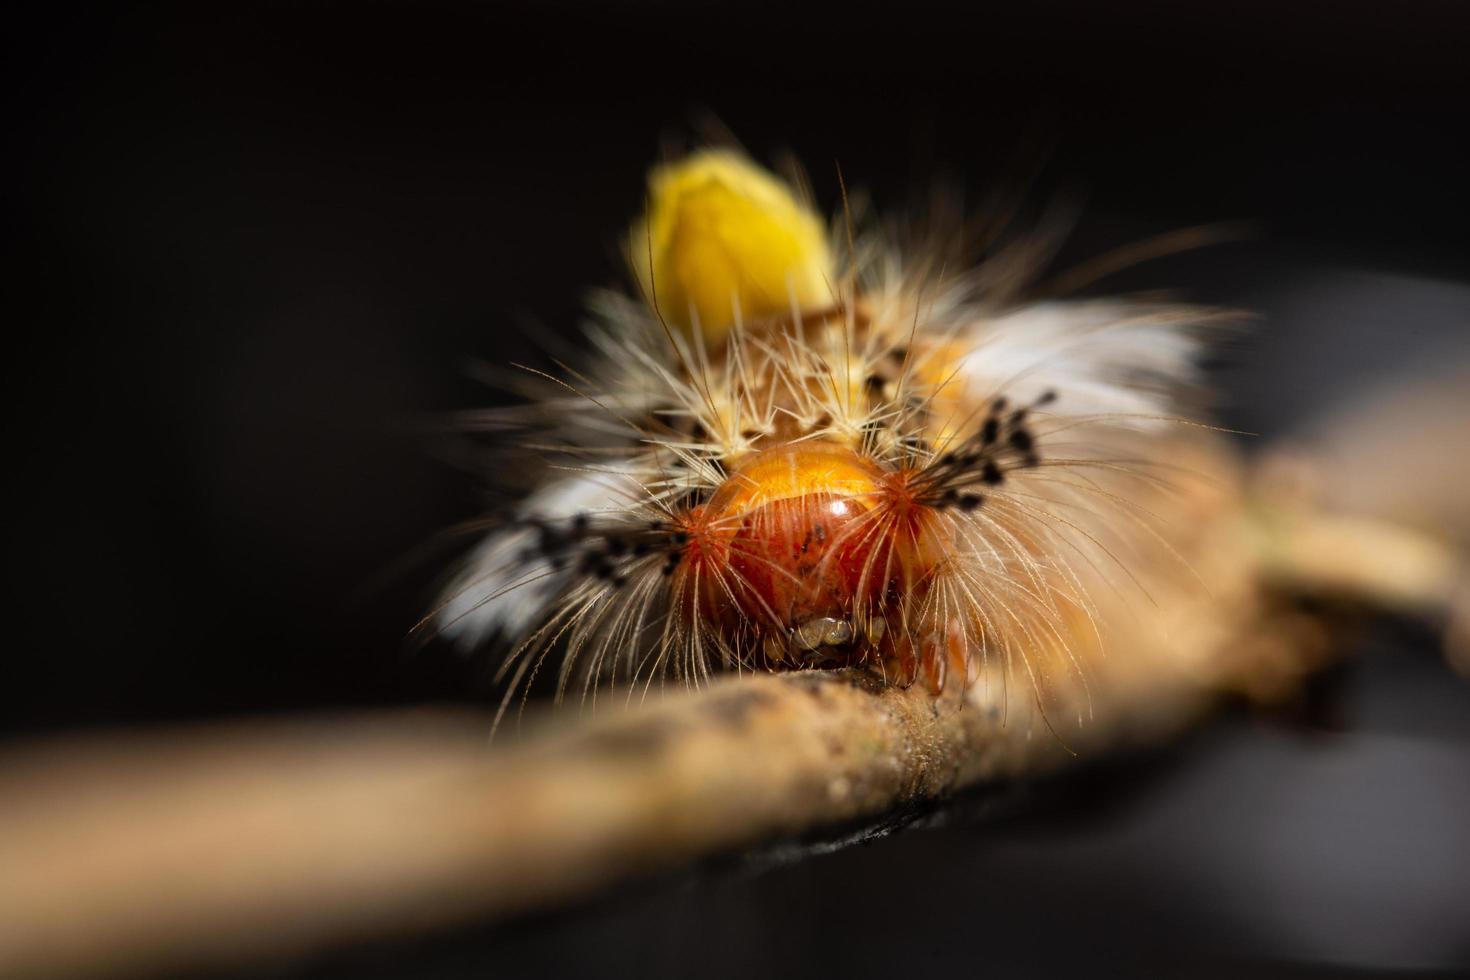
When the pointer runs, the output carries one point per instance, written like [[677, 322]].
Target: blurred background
[[255, 251]]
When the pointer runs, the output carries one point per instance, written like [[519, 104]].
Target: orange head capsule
[[807, 551]]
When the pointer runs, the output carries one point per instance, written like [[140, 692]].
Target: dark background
[[251, 252]]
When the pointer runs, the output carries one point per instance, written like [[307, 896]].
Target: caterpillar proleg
[[798, 448]]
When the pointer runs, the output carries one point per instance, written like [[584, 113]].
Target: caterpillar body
[[801, 448]]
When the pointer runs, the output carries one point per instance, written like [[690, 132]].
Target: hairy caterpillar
[[798, 448]]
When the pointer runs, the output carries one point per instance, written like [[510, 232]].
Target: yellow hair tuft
[[722, 235]]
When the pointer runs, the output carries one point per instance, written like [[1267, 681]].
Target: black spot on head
[[992, 474], [990, 432], [580, 522], [1021, 440], [1047, 397], [970, 501], [999, 405], [874, 384]]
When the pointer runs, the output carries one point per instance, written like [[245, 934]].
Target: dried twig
[[182, 848]]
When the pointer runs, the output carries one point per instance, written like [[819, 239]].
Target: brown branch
[[181, 848], [171, 849]]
